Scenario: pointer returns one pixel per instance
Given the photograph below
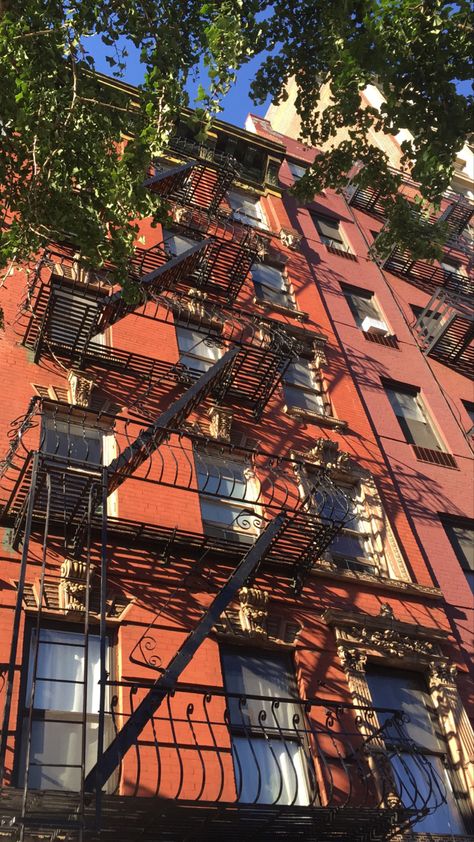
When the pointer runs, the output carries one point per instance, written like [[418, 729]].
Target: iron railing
[[321, 768], [445, 330], [68, 322], [234, 490]]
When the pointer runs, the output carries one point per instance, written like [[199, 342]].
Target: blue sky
[[236, 104]]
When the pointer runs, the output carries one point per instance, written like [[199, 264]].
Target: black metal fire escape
[[60, 501]]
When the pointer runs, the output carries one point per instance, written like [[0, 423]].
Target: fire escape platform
[[125, 819], [427, 277], [445, 331]]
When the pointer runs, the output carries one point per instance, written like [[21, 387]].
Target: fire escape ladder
[[128, 735], [445, 330], [165, 276], [169, 182], [150, 438], [457, 216]]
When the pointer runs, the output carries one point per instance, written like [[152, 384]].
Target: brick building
[[203, 467]]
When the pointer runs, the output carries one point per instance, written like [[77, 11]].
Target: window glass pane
[[412, 418], [60, 672], [462, 539], [72, 440], [304, 399], [299, 374], [270, 771], [296, 170], [247, 206], [176, 243], [349, 546], [362, 306], [406, 691], [405, 405], [225, 479], [328, 228], [56, 751], [268, 276], [196, 351]]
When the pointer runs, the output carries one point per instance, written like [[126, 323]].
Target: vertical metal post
[[17, 618], [36, 647], [103, 636], [85, 686]]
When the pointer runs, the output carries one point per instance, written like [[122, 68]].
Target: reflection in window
[[412, 416], [406, 691], [57, 727], [302, 388], [228, 492], [271, 285], [270, 757], [197, 351]]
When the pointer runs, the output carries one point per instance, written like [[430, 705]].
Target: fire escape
[[445, 327], [164, 759]]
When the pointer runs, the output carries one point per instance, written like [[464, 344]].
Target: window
[[197, 351], [406, 691], [73, 441], [302, 389], [58, 708], [363, 307], [296, 170], [461, 536], [270, 757], [73, 314], [271, 285], [176, 243], [228, 494], [246, 208], [412, 416], [469, 407], [351, 548], [330, 233], [451, 267]]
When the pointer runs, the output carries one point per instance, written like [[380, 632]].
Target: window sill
[[323, 420], [299, 315], [327, 569], [434, 457]]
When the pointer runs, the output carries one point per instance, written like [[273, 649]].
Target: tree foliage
[[67, 171]]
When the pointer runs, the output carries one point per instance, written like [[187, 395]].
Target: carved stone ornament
[[391, 642], [442, 675], [73, 586], [220, 422], [253, 612], [80, 388], [290, 238], [386, 610], [326, 453], [353, 660], [319, 351]]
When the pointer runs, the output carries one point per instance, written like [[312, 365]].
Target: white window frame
[[257, 220], [317, 389], [209, 360], [245, 508], [342, 245], [287, 299]]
